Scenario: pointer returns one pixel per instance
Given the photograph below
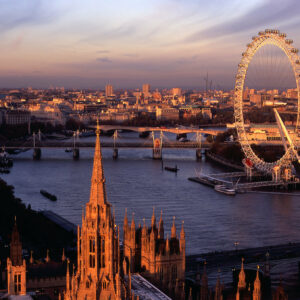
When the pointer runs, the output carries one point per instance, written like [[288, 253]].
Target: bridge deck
[[28, 145]]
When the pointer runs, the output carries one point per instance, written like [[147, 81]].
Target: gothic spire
[[15, 246], [257, 282], [153, 220], [133, 223], [173, 229], [161, 227], [125, 226], [167, 244], [182, 233], [68, 277], [98, 193], [242, 277]]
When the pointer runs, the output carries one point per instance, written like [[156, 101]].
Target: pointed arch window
[[17, 281]]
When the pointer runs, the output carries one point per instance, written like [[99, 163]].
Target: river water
[[212, 221]]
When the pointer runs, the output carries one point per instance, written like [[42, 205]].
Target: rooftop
[[145, 290]]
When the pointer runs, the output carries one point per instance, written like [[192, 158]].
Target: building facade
[[160, 259]]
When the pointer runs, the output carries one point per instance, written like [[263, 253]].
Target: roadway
[[69, 144], [177, 130]]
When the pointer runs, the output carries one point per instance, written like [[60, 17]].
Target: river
[[212, 221]]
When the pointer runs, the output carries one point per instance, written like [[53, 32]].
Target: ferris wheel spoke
[[273, 69]]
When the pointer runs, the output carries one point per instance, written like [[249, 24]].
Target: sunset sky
[[86, 44]]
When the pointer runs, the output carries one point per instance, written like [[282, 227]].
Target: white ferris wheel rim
[[267, 37]]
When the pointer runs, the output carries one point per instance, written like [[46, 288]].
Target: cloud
[[103, 51], [16, 43], [187, 60], [131, 54], [104, 60], [17, 14], [264, 15]]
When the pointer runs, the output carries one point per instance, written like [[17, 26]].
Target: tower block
[[16, 266]]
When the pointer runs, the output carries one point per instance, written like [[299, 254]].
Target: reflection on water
[[212, 221]]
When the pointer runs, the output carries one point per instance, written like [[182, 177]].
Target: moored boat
[[48, 195], [172, 169], [221, 188]]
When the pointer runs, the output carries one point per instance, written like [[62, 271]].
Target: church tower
[[98, 270], [16, 266]]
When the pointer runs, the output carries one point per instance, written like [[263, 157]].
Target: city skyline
[[165, 43]]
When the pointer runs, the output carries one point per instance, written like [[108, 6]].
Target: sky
[[167, 43]]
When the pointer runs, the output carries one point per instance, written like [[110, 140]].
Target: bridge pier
[[115, 153], [76, 153], [157, 153], [157, 146], [199, 142], [199, 154], [37, 153]]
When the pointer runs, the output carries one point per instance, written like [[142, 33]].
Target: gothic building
[[16, 266], [98, 273], [160, 259]]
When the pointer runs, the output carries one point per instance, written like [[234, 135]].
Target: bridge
[[73, 145], [177, 130], [68, 144]]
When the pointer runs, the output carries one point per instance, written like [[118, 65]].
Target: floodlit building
[[98, 273], [17, 117], [16, 266], [146, 90], [161, 259], [109, 92], [176, 92], [164, 114]]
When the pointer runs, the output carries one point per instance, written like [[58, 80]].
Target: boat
[[172, 169], [5, 161], [48, 195], [221, 188], [68, 150], [86, 133]]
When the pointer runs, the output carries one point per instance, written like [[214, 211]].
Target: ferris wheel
[[267, 37]]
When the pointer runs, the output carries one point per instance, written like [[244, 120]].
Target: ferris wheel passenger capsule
[[249, 45], [289, 41], [261, 33], [254, 38], [295, 50], [283, 35]]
